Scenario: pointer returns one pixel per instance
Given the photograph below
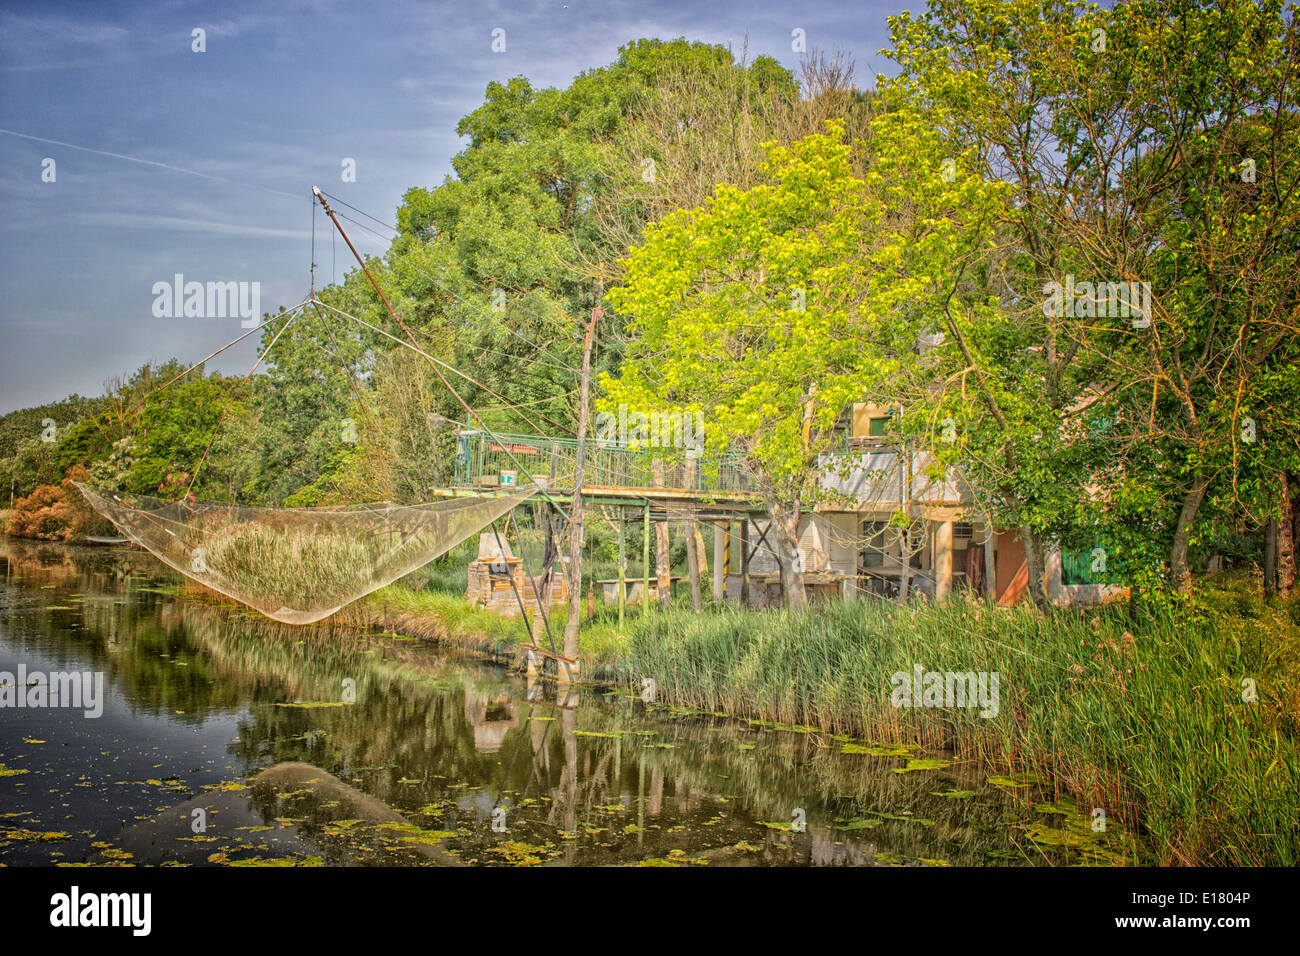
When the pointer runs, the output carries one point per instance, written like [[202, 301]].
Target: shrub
[[56, 512]]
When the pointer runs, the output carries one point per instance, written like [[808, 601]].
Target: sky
[[167, 161]]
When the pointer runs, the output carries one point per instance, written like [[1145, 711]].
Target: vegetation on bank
[[450, 619], [1139, 710], [1143, 710]]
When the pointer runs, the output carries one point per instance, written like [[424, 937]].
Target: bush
[[56, 512]]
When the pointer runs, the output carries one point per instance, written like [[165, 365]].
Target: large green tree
[[742, 311], [1119, 134]]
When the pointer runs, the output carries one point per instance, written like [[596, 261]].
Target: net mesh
[[296, 565]]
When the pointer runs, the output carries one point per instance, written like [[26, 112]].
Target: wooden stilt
[[576, 509], [645, 561], [990, 568], [622, 568], [692, 545], [744, 561], [719, 562]]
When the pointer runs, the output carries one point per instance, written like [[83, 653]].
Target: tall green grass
[[1138, 711]]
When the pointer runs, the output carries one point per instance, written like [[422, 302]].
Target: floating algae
[[861, 823], [1095, 847], [878, 750], [1015, 780], [923, 764]]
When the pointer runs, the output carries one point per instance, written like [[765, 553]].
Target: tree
[[1119, 134], [176, 428], [739, 312]]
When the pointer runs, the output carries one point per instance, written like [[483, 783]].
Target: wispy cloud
[[177, 223]]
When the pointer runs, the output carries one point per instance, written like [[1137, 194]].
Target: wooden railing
[[483, 461]]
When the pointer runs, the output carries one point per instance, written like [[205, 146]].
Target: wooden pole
[[575, 512], [645, 561], [622, 568], [720, 561], [990, 567], [904, 534], [692, 546], [663, 570], [744, 561], [546, 580]]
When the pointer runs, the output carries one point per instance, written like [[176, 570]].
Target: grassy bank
[[450, 619], [1137, 711]]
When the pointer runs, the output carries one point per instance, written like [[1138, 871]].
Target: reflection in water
[[491, 717], [230, 739]]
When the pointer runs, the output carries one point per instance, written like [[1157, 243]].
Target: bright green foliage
[[1118, 134], [740, 313], [173, 431]]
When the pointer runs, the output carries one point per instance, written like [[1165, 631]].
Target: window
[[874, 544], [1076, 568], [878, 427]]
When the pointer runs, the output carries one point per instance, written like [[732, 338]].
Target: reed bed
[[299, 567], [1137, 710]]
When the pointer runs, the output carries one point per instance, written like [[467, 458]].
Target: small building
[[495, 578], [851, 543]]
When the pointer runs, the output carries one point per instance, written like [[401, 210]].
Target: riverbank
[[1180, 719], [449, 619]]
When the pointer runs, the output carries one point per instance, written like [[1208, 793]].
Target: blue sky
[[282, 95]]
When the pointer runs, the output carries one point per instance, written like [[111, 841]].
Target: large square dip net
[[297, 565]]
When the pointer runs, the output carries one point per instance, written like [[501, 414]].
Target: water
[[228, 739]]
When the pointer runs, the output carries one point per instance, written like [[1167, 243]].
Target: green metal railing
[[483, 461]]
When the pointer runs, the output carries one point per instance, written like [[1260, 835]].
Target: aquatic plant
[[1138, 711]]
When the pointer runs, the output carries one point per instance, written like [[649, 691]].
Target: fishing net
[[297, 565]]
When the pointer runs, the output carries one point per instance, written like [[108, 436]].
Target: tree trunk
[[701, 550], [575, 512], [1293, 483], [663, 568], [1270, 558], [1036, 564], [694, 545], [1286, 540], [1180, 572], [785, 532]]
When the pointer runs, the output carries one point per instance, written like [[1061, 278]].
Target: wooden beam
[[645, 559], [744, 562], [622, 569]]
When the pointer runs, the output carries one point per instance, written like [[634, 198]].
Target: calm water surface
[[225, 739]]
